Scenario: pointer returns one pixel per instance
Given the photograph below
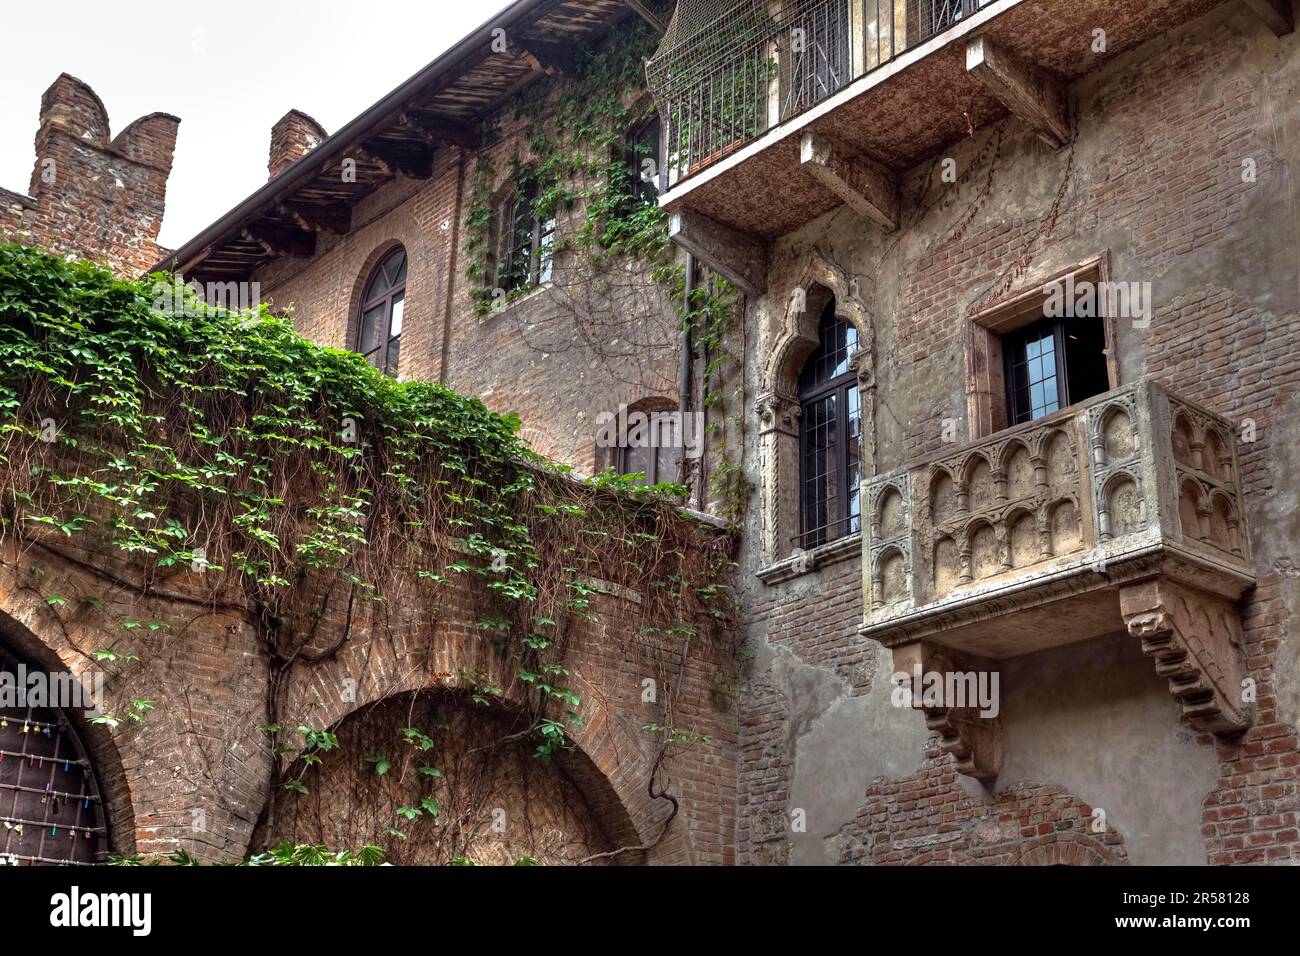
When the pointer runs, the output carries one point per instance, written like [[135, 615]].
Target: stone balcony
[[1122, 513]]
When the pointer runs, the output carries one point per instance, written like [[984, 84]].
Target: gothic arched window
[[830, 434], [382, 306]]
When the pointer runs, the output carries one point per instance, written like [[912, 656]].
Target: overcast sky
[[229, 69]]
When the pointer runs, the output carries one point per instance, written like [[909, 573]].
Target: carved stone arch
[[1117, 515], [792, 332], [20, 638]]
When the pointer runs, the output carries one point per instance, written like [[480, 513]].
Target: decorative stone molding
[[1195, 640], [1125, 510], [788, 335], [973, 741]]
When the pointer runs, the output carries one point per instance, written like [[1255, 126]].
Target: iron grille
[[50, 807], [726, 74]]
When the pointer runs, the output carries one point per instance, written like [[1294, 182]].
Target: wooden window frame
[[387, 299], [986, 387]]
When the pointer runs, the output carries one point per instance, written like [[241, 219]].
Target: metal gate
[[50, 807]]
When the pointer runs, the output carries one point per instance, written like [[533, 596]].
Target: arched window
[[647, 439], [830, 435], [382, 307]]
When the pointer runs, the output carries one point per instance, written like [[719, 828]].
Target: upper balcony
[[1124, 512], [775, 113]]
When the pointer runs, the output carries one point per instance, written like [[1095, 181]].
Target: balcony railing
[[1115, 490], [721, 87]]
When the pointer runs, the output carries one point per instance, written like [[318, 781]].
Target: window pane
[[820, 470], [399, 308], [853, 447], [372, 330], [837, 341], [394, 350]]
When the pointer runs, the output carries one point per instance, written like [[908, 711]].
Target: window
[[1053, 364], [643, 161], [830, 435], [527, 242], [383, 305], [649, 443]]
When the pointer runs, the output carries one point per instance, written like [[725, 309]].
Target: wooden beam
[[740, 259], [1031, 94], [335, 218], [1278, 15], [415, 160], [867, 187], [277, 241], [645, 14], [551, 57], [440, 129]]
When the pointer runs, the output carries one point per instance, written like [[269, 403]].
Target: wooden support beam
[[278, 241], [867, 187], [647, 15], [415, 160], [551, 57], [441, 130], [1031, 94], [1278, 15], [335, 218], [740, 259]]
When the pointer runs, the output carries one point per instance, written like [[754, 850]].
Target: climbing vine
[[575, 156], [221, 459]]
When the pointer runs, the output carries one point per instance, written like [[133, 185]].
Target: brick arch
[[611, 762], [101, 749], [1064, 849]]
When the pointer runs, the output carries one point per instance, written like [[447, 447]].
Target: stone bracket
[[1031, 94], [1278, 15], [1196, 642], [974, 741], [865, 186], [740, 259]]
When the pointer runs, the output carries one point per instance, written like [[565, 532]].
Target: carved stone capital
[[863, 364], [777, 413], [1195, 640]]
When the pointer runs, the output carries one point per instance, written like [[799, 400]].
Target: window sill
[[528, 296], [799, 565]]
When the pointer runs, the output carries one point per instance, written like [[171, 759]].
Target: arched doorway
[[51, 811]]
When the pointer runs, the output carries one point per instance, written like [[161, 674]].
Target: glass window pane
[[372, 330], [394, 350], [399, 308]]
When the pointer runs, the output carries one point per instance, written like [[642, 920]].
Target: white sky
[[228, 69]]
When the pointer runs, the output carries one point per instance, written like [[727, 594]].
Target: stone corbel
[[1195, 640], [974, 741]]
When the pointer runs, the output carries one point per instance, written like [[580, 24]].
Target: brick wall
[[1155, 184], [92, 195]]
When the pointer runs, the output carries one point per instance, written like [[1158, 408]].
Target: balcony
[[773, 119], [1123, 513]]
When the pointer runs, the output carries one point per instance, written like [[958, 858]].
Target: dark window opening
[[830, 436], [528, 242], [643, 144], [382, 310], [1053, 364], [655, 452]]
